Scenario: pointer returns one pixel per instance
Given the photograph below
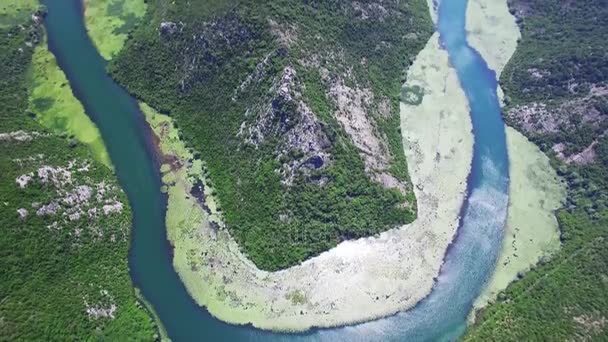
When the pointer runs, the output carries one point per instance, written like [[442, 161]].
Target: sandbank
[[357, 280]]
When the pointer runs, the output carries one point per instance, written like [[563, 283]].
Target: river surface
[[469, 260]]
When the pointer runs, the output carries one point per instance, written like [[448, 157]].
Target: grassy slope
[[564, 299], [50, 276], [198, 96]]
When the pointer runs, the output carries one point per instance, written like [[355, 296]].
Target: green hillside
[[294, 107]]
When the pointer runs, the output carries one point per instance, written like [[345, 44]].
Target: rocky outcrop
[[284, 116]]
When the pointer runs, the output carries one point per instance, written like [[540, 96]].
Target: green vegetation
[[297, 297], [253, 85], [412, 95], [55, 107], [565, 298], [110, 21], [562, 63], [162, 332], [65, 223], [13, 12]]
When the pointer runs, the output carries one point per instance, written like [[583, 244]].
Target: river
[[469, 261]]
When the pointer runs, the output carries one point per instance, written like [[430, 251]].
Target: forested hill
[[557, 94], [294, 107], [65, 224]]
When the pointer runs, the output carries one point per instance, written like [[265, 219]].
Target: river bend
[[469, 261]]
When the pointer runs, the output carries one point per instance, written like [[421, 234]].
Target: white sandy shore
[[357, 280], [531, 230]]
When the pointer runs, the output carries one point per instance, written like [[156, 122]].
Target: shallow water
[[469, 260]]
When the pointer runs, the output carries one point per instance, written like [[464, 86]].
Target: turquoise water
[[468, 262]]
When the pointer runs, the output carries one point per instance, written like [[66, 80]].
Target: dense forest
[[557, 94], [65, 223], [294, 107]]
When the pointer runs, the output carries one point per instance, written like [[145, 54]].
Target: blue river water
[[469, 261]]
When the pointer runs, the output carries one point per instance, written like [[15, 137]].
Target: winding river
[[468, 262]]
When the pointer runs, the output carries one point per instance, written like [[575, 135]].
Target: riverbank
[[358, 280], [52, 101], [50, 96], [531, 231], [492, 31]]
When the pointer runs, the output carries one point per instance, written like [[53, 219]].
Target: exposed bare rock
[[384, 107], [389, 181], [28, 160], [285, 34], [59, 176], [540, 118], [353, 105], [48, 209], [100, 190], [591, 324], [168, 27], [79, 195], [257, 75], [74, 197], [23, 180], [101, 311], [587, 156], [286, 116], [20, 136], [93, 212], [353, 108], [537, 73], [22, 213], [75, 216], [54, 226], [116, 207], [536, 118], [372, 10]]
